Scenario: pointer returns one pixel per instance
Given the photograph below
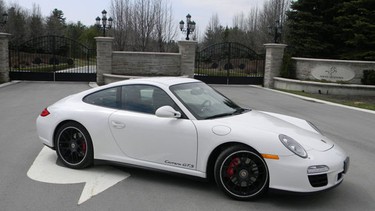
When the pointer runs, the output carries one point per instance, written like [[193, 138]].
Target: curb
[[316, 100], [93, 84], [8, 83]]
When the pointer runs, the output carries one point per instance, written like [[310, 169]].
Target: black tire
[[74, 146], [241, 173]]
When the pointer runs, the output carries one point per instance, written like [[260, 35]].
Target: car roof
[[162, 82], [166, 81]]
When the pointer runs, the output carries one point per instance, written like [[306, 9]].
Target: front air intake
[[319, 180]]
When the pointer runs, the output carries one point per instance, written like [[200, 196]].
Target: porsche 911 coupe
[[184, 126]]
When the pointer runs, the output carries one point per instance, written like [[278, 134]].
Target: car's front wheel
[[241, 173], [74, 145]]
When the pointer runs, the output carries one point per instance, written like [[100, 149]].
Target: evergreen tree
[[56, 23], [313, 31], [16, 24], [74, 30], [356, 19], [340, 29], [214, 32], [88, 36]]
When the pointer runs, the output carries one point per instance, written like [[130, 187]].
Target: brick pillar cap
[[190, 42], [275, 45], [4, 35], [104, 38]]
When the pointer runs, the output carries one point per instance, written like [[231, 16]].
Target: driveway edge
[[8, 83], [316, 100]]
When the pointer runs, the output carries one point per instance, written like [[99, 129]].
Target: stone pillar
[[187, 51], [4, 57], [274, 61], [103, 58]]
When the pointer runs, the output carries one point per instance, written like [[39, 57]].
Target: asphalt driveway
[[21, 103]]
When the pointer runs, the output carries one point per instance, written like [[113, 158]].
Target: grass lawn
[[365, 102]]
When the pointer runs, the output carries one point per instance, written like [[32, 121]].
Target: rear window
[[105, 98]]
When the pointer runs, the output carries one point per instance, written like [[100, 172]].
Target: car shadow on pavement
[[329, 199], [284, 200], [165, 177]]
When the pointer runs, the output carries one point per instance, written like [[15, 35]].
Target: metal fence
[[52, 58], [229, 63]]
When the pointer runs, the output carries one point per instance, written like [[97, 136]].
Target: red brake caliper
[[84, 148], [233, 163]]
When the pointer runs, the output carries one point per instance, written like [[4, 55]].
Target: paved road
[[21, 103], [83, 69]]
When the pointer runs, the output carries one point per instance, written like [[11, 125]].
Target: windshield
[[204, 102]]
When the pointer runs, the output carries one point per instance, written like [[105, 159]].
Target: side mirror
[[167, 112]]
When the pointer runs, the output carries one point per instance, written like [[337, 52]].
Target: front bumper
[[290, 173]]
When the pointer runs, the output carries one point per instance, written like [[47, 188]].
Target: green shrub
[[37, 60], [70, 61], [368, 77], [54, 61], [288, 69]]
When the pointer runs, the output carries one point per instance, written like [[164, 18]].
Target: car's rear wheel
[[74, 145], [241, 173]]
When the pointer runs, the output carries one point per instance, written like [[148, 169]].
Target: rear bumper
[[45, 134]]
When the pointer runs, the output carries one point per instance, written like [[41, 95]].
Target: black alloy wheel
[[241, 173], [74, 146]]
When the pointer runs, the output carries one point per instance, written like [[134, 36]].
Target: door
[[142, 135]]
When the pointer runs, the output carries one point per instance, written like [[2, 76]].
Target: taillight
[[44, 113]]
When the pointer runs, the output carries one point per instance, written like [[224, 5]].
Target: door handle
[[118, 125]]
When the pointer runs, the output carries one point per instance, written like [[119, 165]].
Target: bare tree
[[145, 22], [253, 20], [239, 21], [122, 23], [273, 11], [165, 27], [213, 32], [143, 25], [35, 22], [259, 21]]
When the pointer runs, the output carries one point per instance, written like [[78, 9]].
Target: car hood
[[298, 129]]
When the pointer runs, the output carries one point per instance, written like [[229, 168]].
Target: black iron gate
[[229, 63], [52, 58]]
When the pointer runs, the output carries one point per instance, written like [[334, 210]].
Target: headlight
[[293, 146]]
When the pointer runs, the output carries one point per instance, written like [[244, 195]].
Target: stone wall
[[4, 57], [146, 64], [119, 65], [348, 71], [324, 88]]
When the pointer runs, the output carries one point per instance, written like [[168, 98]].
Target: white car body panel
[[185, 145], [141, 137]]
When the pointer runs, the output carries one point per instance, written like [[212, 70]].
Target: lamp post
[[106, 23], [190, 26], [4, 20], [276, 31]]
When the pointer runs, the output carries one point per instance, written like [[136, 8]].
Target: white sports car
[[183, 125]]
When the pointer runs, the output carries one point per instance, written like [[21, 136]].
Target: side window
[[160, 98], [145, 98], [105, 98], [137, 98]]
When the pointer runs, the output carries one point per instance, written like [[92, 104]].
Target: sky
[[201, 10]]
